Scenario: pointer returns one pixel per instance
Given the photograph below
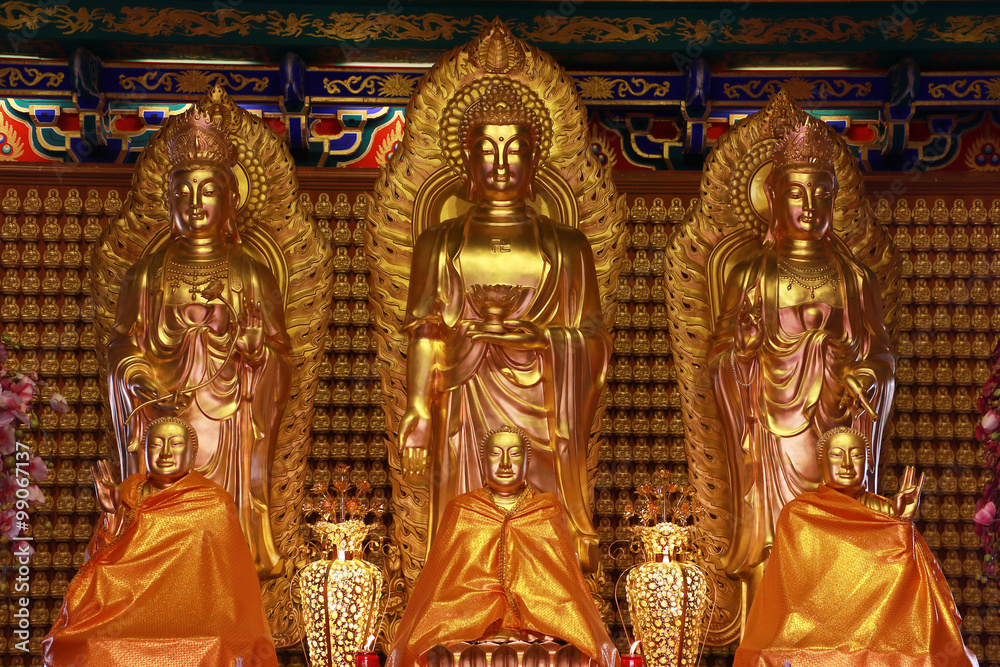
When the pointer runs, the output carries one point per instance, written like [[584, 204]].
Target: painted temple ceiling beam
[[584, 35], [88, 81]]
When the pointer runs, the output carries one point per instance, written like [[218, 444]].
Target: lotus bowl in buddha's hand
[[494, 303]]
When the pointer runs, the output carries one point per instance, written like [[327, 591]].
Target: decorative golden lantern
[[669, 594], [340, 596], [340, 592], [668, 597]]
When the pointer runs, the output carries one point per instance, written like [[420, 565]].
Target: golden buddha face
[[801, 200], [505, 459], [170, 453], [201, 200], [844, 462], [500, 162]]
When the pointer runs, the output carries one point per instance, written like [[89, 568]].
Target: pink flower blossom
[[37, 469], [8, 441], [59, 403], [18, 398], [35, 495], [8, 524], [990, 421], [8, 486], [987, 515]]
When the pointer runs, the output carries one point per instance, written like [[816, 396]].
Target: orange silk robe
[[178, 587], [459, 595], [849, 586]]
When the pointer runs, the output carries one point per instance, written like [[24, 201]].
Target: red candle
[[367, 659], [631, 661]]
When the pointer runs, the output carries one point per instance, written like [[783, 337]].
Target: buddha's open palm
[[520, 335], [414, 439], [907, 501], [251, 338], [108, 495]]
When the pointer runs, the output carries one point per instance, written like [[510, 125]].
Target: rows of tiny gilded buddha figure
[[947, 323]]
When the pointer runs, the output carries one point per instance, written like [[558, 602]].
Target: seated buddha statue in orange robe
[[850, 581], [503, 562], [170, 579]]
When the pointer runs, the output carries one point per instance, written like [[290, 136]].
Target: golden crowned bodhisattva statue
[[779, 328], [494, 240], [213, 294]]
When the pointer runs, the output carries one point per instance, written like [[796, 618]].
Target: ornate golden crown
[[807, 143], [200, 134]]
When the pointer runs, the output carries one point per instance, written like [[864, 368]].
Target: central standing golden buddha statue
[[542, 366], [779, 327], [493, 249]]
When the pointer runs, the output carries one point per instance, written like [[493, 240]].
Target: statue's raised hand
[[748, 325], [907, 501], [251, 338], [108, 495]]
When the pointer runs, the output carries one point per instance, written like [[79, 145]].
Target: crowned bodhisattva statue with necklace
[[199, 333]]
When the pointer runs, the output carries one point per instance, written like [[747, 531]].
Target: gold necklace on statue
[[807, 278], [196, 276]]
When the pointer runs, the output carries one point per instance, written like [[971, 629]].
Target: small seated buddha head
[[843, 454], [802, 185], [171, 449], [202, 190], [505, 453]]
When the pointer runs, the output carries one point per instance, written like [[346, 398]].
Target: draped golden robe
[[847, 586], [176, 587], [486, 572], [795, 385], [551, 394], [183, 347]]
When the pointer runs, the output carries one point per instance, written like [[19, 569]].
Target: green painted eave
[[598, 35]]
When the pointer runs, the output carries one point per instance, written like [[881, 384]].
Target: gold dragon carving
[[401, 207], [732, 210], [288, 240], [157, 21]]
